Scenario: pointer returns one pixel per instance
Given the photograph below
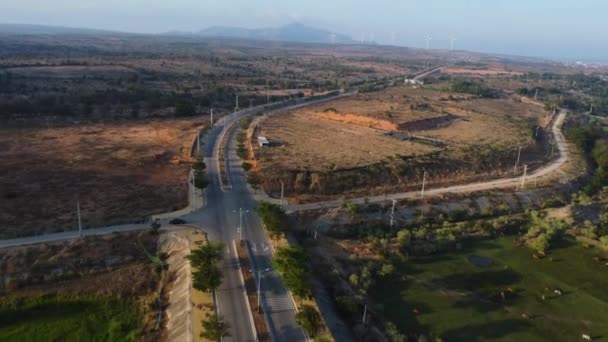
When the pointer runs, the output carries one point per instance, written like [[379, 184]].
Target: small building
[[413, 81], [263, 141]]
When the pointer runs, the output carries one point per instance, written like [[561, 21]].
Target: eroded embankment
[[179, 308]]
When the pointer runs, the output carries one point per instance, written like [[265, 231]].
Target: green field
[[68, 319], [459, 301]]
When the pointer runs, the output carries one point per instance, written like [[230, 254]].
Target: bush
[[245, 122], [404, 237], [347, 305], [246, 166], [309, 319], [214, 328]]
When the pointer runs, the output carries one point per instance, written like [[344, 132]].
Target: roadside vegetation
[[95, 289], [502, 271], [207, 277], [68, 319]]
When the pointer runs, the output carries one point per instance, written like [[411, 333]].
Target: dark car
[[177, 221]]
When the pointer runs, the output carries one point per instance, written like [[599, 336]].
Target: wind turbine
[[452, 40], [428, 39], [332, 38]]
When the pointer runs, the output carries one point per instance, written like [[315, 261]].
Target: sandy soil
[[120, 172]]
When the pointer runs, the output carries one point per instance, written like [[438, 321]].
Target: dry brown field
[[351, 132], [120, 172]]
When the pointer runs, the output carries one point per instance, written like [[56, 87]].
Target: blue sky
[[560, 29]]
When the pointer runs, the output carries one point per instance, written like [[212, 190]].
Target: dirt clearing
[[121, 172]]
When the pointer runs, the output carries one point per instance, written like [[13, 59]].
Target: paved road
[[220, 218], [503, 183]]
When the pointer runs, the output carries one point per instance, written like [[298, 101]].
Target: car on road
[[177, 221]]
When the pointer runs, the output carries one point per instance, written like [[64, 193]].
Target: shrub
[[246, 166], [309, 319]]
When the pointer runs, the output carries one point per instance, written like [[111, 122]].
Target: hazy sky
[[563, 29]]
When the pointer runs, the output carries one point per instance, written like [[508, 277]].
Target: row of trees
[[200, 180], [473, 87], [207, 277], [291, 263], [593, 141]]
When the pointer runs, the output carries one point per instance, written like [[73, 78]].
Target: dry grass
[[121, 172], [321, 144], [349, 132]]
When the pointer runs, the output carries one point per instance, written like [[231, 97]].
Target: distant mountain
[[44, 29], [294, 32]]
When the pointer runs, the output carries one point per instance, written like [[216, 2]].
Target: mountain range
[[294, 32]]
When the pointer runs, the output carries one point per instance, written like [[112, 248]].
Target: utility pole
[[591, 109], [423, 184], [198, 141], [536, 94], [523, 178], [267, 93], [193, 176], [211, 116], [259, 291], [393, 213], [282, 192], [79, 220], [237, 103], [241, 211], [517, 162], [364, 314]]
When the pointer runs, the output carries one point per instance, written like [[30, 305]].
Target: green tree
[[155, 227], [199, 165], [207, 254], [214, 328], [309, 319], [207, 278], [404, 237], [200, 180], [274, 218], [291, 264], [206, 275]]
